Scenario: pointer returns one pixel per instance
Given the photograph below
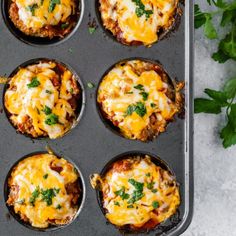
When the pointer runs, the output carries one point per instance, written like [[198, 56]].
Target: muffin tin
[[92, 145]]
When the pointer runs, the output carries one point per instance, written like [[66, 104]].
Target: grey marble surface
[[215, 167]]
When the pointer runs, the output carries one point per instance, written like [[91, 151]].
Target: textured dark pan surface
[[91, 145]]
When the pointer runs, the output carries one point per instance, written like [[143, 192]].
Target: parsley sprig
[[218, 101], [227, 10]]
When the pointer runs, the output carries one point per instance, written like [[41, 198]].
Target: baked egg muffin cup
[[81, 100], [51, 227]]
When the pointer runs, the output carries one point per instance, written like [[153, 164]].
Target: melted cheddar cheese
[[159, 196], [121, 15], [129, 84], [24, 102], [35, 174], [37, 14]]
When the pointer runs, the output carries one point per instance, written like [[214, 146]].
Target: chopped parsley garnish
[[150, 185], [58, 207], [91, 29], [153, 105], [52, 5], [34, 83], [138, 186], [145, 96], [47, 110], [138, 192], [139, 108], [48, 195], [64, 25], [45, 176], [154, 190], [71, 90], [140, 9], [122, 193], [155, 204], [139, 87], [35, 195], [130, 206], [32, 8], [148, 174], [90, 85], [52, 119], [116, 203], [48, 91]]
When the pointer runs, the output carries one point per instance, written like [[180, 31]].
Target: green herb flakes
[[34, 83]]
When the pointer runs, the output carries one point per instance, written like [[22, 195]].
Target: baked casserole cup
[[135, 22], [44, 191], [137, 195], [138, 99], [43, 99], [44, 18]]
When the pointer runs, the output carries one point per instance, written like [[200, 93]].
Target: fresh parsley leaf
[[91, 29], [140, 9], [155, 204], [64, 25], [145, 96], [228, 135], [138, 186], [122, 193], [206, 106], [52, 5], [230, 88], [153, 105], [130, 206], [130, 110], [47, 110], [32, 8], [150, 185], [34, 196], [48, 91], [139, 87], [140, 109], [34, 83], [45, 176], [154, 190], [58, 207], [148, 174], [90, 85], [48, 195], [209, 29], [219, 96], [116, 203], [52, 119]]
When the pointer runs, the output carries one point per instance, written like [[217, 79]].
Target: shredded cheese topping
[[26, 99], [35, 174], [155, 191], [37, 14], [128, 86], [134, 25]]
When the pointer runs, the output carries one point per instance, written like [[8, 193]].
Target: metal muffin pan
[[91, 145]]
